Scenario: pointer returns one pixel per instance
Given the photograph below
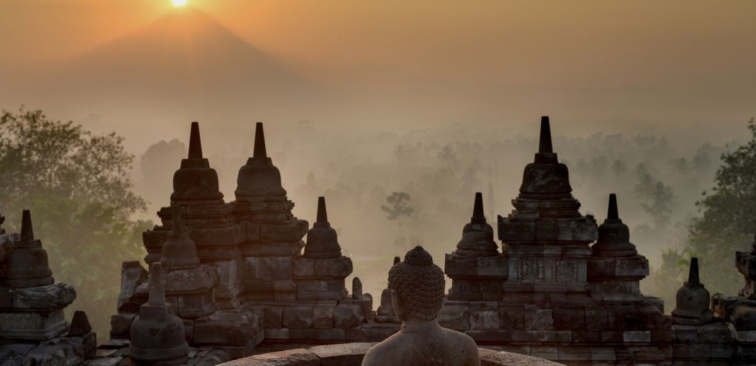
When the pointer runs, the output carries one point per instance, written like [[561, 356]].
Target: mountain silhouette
[[183, 58]]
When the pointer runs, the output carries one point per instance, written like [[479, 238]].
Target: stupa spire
[[259, 142], [27, 231], [195, 181], [693, 278], [544, 144], [613, 213], [322, 240], [195, 144], [478, 217], [614, 235], [322, 213]]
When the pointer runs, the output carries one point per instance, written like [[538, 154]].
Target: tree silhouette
[[399, 206], [727, 219], [76, 186]]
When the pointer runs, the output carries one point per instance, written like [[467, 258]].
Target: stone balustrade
[[349, 354]]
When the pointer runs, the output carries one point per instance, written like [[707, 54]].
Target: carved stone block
[[348, 316], [32, 326], [298, 316], [455, 315], [322, 316]]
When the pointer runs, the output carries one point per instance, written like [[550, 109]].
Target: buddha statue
[[417, 292]]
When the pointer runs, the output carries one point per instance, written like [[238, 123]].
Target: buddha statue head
[[417, 294], [417, 286]]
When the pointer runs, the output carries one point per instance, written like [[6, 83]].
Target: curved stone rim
[[352, 354]]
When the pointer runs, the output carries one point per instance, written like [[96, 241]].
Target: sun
[[178, 3]]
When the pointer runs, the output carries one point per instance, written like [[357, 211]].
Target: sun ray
[[178, 3]]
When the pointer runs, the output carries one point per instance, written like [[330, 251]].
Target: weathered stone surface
[[120, 325], [455, 315], [43, 298], [331, 335], [341, 354], [268, 268], [132, 276], [348, 316], [385, 312], [492, 358], [298, 316], [227, 328], [322, 316], [7, 243], [511, 317], [199, 279], [538, 320], [484, 315], [570, 318], [636, 336], [303, 267], [321, 290], [32, 326], [337, 268], [299, 357], [157, 336]]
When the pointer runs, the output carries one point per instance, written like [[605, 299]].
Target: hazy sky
[[682, 69], [662, 62]]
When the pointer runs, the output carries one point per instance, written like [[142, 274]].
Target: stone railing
[[349, 354]]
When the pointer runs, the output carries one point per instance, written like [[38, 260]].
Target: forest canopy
[[77, 187], [726, 223]]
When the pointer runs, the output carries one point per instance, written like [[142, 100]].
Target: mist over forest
[[657, 179]]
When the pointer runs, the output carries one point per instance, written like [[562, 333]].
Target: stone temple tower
[[546, 238], [272, 236]]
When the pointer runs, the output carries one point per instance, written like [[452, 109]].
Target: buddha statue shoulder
[[417, 293]]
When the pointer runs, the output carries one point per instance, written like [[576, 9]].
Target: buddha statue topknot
[[417, 292]]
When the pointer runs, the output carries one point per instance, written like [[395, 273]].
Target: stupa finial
[[478, 216], [259, 142], [195, 144], [693, 278], [322, 213], [27, 231], [613, 213], [544, 145]]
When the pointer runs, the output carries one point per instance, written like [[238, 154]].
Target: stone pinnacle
[[322, 213], [478, 217], [613, 213], [195, 144], [259, 142], [27, 232], [693, 274], [544, 145], [157, 287], [397, 260]]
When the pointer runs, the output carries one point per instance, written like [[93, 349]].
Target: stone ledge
[[352, 353]]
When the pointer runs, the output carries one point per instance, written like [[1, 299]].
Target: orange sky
[[700, 54], [574, 42]]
